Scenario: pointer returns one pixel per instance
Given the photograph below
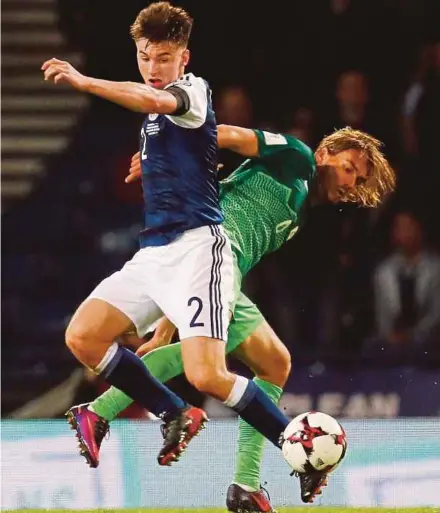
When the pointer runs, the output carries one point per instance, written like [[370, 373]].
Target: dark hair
[[162, 21]]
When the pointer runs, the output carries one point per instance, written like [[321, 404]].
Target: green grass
[[221, 510]]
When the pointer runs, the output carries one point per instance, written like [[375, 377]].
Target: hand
[[149, 346], [162, 337], [61, 72], [135, 171]]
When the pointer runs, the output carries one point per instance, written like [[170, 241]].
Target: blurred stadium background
[[355, 296]]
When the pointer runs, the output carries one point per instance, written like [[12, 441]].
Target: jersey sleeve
[[197, 91], [286, 152]]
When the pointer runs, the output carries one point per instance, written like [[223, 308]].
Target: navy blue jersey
[[179, 167]]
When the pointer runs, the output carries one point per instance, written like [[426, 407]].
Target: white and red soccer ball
[[314, 441]]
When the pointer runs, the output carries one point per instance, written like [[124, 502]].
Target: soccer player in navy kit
[[184, 269]]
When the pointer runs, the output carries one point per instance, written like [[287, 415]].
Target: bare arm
[[133, 96], [241, 140]]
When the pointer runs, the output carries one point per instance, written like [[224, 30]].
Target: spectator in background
[[354, 105], [411, 100], [302, 126], [407, 287], [428, 114], [352, 95], [421, 108], [349, 105], [234, 106]]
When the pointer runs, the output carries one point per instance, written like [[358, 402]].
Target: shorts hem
[[118, 307], [204, 335]]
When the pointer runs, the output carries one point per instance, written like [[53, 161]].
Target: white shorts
[[189, 280]]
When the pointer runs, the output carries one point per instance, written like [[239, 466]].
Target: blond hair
[[161, 21], [381, 178]]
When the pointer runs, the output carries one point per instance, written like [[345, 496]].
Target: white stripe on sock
[[107, 358], [237, 392]]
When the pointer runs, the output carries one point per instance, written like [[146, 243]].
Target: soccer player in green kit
[[264, 202]]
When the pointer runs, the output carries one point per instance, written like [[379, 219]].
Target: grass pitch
[[318, 509]]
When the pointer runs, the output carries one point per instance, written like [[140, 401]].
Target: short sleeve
[[197, 92], [286, 153]]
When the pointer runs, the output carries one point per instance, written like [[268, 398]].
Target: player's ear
[[185, 57], [321, 155]]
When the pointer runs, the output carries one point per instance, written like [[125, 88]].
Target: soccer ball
[[314, 441]]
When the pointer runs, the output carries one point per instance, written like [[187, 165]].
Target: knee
[[79, 340], [208, 381], [280, 366], [284, 364]]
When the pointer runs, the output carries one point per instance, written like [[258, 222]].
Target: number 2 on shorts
[[198, 301]]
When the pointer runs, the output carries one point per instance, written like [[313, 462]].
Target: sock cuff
[[109, 361], [248, 395], [237, 392]]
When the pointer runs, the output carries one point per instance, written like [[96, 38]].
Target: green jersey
[[263, 200]]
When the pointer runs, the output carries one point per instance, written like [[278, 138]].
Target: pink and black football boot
[[90, 430]]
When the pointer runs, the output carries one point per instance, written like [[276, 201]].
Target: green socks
[[251, 444]]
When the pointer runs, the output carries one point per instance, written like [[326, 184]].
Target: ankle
[[246, 488]]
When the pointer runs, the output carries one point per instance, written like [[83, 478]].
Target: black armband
[[182, 98]]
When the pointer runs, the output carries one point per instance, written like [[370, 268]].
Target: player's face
[[161, 63], [342, 172]]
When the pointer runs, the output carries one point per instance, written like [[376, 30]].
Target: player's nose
[[154, 66], [349, 181]]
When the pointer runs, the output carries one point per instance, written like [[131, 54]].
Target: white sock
[[107, 358], [237, 392], [246, 488]]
